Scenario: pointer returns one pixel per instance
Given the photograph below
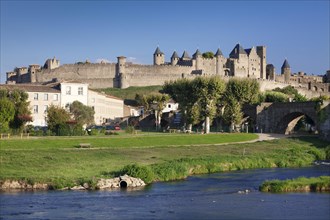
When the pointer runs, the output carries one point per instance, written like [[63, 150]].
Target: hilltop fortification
[[243, 63]]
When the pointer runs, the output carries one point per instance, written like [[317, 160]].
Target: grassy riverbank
[[302, 184], [58, 162]]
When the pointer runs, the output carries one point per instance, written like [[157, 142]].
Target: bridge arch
[[287, 123]]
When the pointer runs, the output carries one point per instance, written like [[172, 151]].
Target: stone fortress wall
[[243, 63]]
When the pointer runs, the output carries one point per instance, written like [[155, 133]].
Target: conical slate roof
[[157, 51], [285, 64], [185, 55], [218, 53], [238, 49], [174, 55], [197, 53]]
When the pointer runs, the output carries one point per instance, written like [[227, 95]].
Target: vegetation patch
[[301, 184], [57, 162]]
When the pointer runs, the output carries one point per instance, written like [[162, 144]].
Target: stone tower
[[286, 71], [174, 58], [159, 57], [221, 61], [198, 57], [239, 62], [270, 72], [261, 51], [121, 72], [20, 71], [52, 63], [32, 72]]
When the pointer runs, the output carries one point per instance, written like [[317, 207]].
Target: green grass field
[[58, 161]]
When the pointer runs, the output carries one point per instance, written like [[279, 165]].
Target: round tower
[[159, 57], [198, 57], [286, 71], [174, 58], [20, 71], [220, 59], [121, 72], [32, 72]]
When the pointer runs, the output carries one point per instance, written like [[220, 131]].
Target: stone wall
[[79, 72]]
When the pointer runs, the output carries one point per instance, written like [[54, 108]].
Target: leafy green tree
[[239, 92], [245, 91], [57, 117], [291, 91], [209, 91], [155, 102], [233, 114], [208, 54], [82, 114], [197, 98], [22, 115], [181, 91], [7, 113], [273, 96]]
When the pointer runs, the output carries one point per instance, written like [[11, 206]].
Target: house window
[[35, 96], [35, 109], [55, 97], [45, 108], [68, 90], [80, 91], [46, 97]]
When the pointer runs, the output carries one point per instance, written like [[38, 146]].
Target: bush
[[130, 130], [142, 172], [327, 153]]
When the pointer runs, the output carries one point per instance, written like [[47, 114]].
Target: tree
[[7, 113], [273, 96], [209, 92], [208, 54], [197, 98], [181, 91], [82, 114], [233, 114], [155, 102], [21, 106], [239, 92], [57, 118], [291, 91]]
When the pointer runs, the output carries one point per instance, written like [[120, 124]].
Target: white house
[[106, 107], [73, 91], [64, 93]]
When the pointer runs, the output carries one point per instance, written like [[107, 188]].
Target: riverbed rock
[[78, 188], [23, 185]]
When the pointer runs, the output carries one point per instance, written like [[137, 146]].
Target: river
[[213, 196]]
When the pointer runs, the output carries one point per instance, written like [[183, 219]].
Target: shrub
[[130, 130], [137, 171], [327, 153]]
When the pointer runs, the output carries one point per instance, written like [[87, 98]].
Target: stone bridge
[[282, 117]]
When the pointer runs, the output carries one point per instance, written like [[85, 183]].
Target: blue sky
[[33, 31]]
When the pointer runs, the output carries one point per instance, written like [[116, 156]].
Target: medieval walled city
[[243, 63]]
